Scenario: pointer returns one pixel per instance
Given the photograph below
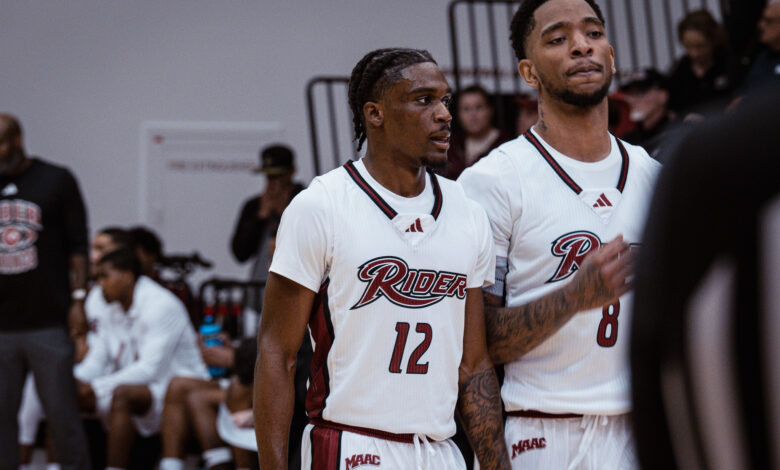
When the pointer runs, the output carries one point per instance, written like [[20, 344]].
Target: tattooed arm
[[602, 278], [479, 401]]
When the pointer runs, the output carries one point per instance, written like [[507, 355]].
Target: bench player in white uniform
[[385, 262], [555, 197], [144, 340]]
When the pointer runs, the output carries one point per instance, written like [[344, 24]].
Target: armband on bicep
[[498, 288]]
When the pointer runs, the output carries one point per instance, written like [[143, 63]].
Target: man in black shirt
[[260, 215], [43, 271]]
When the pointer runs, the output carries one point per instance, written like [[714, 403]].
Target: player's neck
[[126, 301], [582, 134], [404, 180]]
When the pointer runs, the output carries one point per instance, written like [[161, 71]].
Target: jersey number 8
[[609, 318]]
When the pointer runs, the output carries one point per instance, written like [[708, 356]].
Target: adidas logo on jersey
[[361, 459], [391, 277], [528, 444], [602, 201], [415, 227]]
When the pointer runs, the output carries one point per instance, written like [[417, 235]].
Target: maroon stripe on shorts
[[325, 448]]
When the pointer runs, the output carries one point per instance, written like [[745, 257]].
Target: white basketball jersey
[[389, 318], [544, 223]]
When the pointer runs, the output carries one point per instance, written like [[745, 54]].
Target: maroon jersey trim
[[321, 328], [381, 203], [568, 180]]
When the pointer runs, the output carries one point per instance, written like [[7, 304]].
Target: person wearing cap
[[261, 214], [254, 238], [647, 95]]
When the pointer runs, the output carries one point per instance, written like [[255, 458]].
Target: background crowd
[[148, 385]]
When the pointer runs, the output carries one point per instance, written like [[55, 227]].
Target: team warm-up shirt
[[547, 211], [149, 344], [392, 274], [42, 223]]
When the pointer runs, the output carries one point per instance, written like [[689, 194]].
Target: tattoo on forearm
[[513, 331], [479, 406]]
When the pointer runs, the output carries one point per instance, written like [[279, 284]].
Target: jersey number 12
[[414, 366]]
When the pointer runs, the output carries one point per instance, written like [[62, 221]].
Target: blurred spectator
[[147, 341], [191, 406], [149, 249], [527, 113], [203, 405], [105, 241], [647, 98], [475, 135], [260, 215], [700, 81], [31, 412], [765, 69], [706, 326], [43, 275]]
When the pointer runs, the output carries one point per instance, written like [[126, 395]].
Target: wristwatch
[[78, 294]]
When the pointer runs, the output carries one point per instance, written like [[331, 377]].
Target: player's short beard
[[434, 164], [580, 100]]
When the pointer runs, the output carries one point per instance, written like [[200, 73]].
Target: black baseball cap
[[275, 159], [643, 81]]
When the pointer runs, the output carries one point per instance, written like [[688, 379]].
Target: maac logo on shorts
[[391, 277], [528, 444], [572, 248], [361, 459]]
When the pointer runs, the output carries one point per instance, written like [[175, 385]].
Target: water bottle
[[209, 331]]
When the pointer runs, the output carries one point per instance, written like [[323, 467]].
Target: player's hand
[[86, 396], [77, 319], [218, 356], [604, 276], [243, 418]]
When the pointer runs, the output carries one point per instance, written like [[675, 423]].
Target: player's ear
[[527, 70], [373, 114], [612, 58]]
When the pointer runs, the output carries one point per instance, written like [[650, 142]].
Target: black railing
[[638, 30], [332, 126]]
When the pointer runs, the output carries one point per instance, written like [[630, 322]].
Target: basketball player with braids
[[566, 201], [365, 257]]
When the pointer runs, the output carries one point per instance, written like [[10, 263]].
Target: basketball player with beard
[[366, 257], [566, 202]]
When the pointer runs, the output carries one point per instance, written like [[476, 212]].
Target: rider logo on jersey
[[391, 277], [572, 248]]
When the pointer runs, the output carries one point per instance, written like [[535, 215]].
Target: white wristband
[[78, 294]]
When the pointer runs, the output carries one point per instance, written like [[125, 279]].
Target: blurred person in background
[[261, 214], [476, 135], [704, 340], [764, 71], [31, 412], [146, 340], [149, 249], [43, 280], [700, 82], [648, 99]]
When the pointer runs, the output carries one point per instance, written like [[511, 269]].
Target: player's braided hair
[[375, 71], [523, 23]]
